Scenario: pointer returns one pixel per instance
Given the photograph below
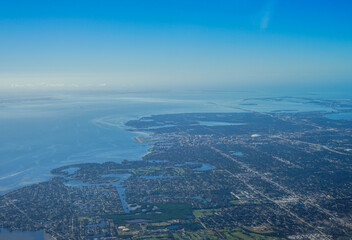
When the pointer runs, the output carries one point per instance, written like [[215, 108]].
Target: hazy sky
[[183, 43]]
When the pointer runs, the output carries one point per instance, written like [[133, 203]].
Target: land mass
[[244, 175]]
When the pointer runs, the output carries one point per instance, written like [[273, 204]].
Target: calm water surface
[[39, 133], [6, 235]]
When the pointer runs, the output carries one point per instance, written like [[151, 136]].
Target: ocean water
[[40, 132]]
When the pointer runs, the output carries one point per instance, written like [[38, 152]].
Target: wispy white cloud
[[267, 15], [265, 21]]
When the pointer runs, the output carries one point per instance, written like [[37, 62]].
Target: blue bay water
[[39, 133], [340, 116], [6, 235]]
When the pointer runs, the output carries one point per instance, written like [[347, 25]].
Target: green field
[[244, 234], [204, 212], [228, 234], [163, 236], [167, 211]]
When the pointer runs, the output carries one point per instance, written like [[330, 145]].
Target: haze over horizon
[[175, 44]]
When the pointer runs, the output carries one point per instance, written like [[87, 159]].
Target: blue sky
[[164, 44]]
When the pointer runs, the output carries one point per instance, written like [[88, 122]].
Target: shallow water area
[[18, 235], [214, 124], [40, 133], [340, 116], [203, 167], [238, 154]]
